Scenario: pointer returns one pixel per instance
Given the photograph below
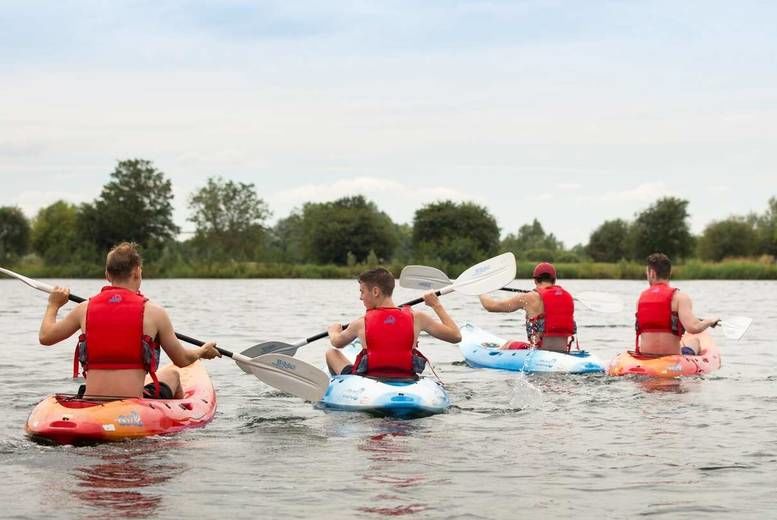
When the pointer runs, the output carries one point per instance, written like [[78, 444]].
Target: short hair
[[661, 264], [380, 278], [545, 277], [122, 259]]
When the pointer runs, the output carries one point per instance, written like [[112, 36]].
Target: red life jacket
[[390, 336], [557, 318], [654, 312], [114, 338]]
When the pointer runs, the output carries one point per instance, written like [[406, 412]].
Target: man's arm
[[340, 337], [179, 355], [510, 304], [53, 331], [445, 329], [690, 322]]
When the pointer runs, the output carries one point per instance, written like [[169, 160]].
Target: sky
[[569, 112]]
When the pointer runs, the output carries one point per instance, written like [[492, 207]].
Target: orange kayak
[[66, 419], [629, 363]]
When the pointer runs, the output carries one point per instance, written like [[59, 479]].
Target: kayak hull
[[387, 398], [481, 349], [708, 360], [66, 419]]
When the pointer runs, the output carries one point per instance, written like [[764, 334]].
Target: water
[[512, 446]]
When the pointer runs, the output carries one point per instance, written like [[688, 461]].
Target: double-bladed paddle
[[484, 277], [427, 278], [734, 327], [275, 369]]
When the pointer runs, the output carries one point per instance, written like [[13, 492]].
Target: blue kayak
[[388, 397], [481, 349]]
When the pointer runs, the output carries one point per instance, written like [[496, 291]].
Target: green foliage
[[733, 237], [609, 242], [230, 220], [331, 229], [135, 205], [286, 240], [14, 234], [531, 237], [451, 235], [662, 228], [55, 233], [766, 229]]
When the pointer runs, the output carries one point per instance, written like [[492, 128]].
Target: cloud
[[645, 192], [32, 201], [568, 186], [398, 199]]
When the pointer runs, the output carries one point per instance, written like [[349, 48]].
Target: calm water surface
[[512, 446]]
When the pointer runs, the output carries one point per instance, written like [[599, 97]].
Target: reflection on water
[[123, 484], [390, 454]]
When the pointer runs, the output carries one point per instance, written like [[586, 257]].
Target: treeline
[[330, 239]]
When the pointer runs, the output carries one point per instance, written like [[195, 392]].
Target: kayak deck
[[708, 360], [481, 349], [68, 419]]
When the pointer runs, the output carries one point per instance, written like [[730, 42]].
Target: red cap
[[544, 268]]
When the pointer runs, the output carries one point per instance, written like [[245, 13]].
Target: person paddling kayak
[[389, 333], [121, 335], [665, 323], [550, 321]]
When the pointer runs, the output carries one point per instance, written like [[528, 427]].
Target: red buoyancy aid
[[558, 315], [114, 338], [390, 337], [654, 312]]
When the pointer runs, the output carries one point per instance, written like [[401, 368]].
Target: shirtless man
[[665, 315], [124, 332], [550, 323], [388, 333]]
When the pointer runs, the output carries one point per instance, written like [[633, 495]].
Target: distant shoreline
[[765, 269]]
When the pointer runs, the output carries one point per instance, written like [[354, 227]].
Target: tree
[[351, 224], [531, 236], [734, 236], [609, 242], [55, 232], [456, 234], [287, 238], [766, 229], [136, 204], [14, 234], [229, 217], [662, 228]]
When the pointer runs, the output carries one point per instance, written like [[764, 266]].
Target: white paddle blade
[[487, 276], [423, 278], [600, 302], [287, 374], [735, 326], [29, 281]]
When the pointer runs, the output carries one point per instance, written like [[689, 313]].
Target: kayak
[[67, 419], [481, 349], [404, 398], [629, 363]]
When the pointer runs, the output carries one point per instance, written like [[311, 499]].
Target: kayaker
[[389, 333], [123, 332], [664, 315], [550, 322]]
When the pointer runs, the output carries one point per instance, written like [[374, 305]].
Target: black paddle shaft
[[182, 337]]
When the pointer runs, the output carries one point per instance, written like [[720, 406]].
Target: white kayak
[[481, 349], [387, 397]]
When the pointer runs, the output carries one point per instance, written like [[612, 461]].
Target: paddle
[[483, 277], [426, 278], [277, 370], [734, 327]]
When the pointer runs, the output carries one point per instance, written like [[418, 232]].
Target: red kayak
[[67, 419]]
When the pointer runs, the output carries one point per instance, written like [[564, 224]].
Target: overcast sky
[[569, 112]]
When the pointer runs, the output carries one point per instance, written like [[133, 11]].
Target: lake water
[[512, 446]]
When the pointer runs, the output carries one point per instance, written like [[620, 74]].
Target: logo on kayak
[[115, 299], [391, 320], [131, 419], [284, 365]]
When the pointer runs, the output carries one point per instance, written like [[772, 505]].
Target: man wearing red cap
[[550, 310]]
